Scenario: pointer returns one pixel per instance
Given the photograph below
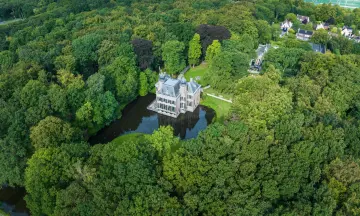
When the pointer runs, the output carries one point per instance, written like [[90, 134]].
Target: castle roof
[[171, 87], [192, 86]]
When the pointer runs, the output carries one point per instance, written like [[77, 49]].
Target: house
[[175, 96], [303, 19], [318, 48], [347, 31], [304, 35], [286, 25], [319, 26], [356, 39], [255, 64]]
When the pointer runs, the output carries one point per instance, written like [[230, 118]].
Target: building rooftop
[[302, 17], [318, 48], [347, 27], [171, 87], [262, 49], [192, 86], [306, 32], [171, 82]]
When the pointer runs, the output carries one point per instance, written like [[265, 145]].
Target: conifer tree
[[194, 50]]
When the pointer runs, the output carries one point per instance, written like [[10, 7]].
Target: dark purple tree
[[208, 33], [144, 53]]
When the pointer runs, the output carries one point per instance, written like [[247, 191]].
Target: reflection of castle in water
[[182, 123], [137, 118]]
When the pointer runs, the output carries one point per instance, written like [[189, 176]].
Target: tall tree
[[213, 50], [173, 56], [143, 86], [194, 50]]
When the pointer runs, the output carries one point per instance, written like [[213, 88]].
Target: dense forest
[[289, 146]]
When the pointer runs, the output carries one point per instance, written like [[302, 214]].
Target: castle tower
[[183, 94]]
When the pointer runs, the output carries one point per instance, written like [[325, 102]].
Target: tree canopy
[[288, 146]]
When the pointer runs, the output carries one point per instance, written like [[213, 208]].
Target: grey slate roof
[[262, 49], [306, 32], [192, 86], [171, 87], [347, 27], [318, 48]]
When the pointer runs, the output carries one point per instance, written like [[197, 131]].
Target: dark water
[[137, 118], [12, 201]]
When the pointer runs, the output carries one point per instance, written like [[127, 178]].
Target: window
[[181, 105], [189, 104], [189, 96], [173, 109]]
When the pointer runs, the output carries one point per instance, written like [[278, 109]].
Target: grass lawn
[[9, 21], [221, 108], [197, 71], [216, 93], [130, 137]]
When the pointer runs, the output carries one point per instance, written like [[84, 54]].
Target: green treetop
[[213, 50], [173, 55], [194, 50]]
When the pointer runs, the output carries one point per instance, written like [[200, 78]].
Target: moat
[[136, 118]]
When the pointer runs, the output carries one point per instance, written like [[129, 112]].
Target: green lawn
[[130, 137], [221, 108], [197, 71], [216, 93], [9, 21]]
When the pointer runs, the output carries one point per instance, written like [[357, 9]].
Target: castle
[[175, 96]]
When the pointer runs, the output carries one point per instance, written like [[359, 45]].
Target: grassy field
[[9, 21], [216, 93], [221, 108], [343, 3], [130, 137], [197, 71]]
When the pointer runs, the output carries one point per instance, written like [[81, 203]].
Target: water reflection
[[12, 201], [136, 118]]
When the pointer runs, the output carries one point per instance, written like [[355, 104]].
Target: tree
[[264, 31], [291, 17], [143, 89], [194, 50], [84, 115], [52, 132], [85, 51], [152, 79], [163, 140], [173, 56], [121, 78], [49, 170], [209, 33], [227, 66], [6, 60], [261, 98], [284, 59], [144, 53], [321, 37], [213, 50]]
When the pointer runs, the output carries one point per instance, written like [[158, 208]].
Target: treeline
[[289, 145]]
